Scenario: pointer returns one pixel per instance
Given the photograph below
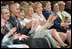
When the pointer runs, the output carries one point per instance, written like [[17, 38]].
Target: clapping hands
[[13, 30], [29, 24]]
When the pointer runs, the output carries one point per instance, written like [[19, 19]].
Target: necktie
[[63, 17], [60, 15]]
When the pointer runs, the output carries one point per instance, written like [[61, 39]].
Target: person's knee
[[54, 32]]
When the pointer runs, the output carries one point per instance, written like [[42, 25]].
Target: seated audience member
[[68, 7], [42, 17], [66, 16], [15, 12], [22, 19], [47, 10], [5, 14]]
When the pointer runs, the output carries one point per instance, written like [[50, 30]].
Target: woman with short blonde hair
[[66, 16]]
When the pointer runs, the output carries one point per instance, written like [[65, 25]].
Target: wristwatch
[[20, 38]]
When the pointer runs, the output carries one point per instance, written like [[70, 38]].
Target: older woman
[[63, 13], [40, 17], [47, 10]]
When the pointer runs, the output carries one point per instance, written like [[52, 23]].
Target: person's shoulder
[[65, 12]]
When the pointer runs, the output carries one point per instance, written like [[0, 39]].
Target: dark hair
[[53, 4], [44, 3]]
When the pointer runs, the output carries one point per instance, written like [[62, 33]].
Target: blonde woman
[[66, 15]]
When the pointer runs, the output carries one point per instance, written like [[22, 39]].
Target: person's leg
[[51, 41], [63, 36], [57, 37], [42, 35], [69, 36], [54, 43]]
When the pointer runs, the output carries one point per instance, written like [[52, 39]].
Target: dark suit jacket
[[47, 13], [15, 23]]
